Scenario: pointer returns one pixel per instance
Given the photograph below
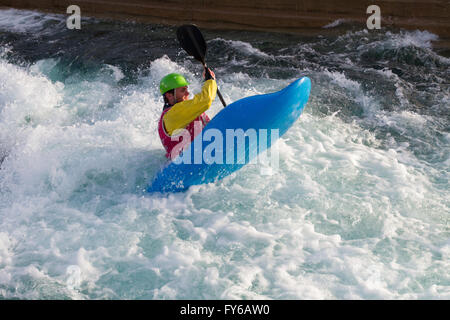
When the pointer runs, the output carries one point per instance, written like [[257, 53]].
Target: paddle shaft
[[218, 92]]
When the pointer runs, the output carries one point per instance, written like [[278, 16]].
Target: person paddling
[[180, 112]]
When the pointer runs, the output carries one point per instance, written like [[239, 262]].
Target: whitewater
[[358, 207]]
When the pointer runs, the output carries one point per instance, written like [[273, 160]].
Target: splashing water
[[358, 209]]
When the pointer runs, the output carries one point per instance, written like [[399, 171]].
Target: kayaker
[[180, 112]]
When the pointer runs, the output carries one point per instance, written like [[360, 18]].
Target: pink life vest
[[169, 143]]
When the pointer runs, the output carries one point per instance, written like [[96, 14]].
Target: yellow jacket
[[183, 113]]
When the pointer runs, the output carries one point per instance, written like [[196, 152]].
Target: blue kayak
[[261, 119]]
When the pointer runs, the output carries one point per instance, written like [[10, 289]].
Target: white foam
[[245, 48], [27, 21], [335, 23], [6, 253], [27, 97], [366, 101], [27, 100], [421, 39], [417, 38], [117, 73]]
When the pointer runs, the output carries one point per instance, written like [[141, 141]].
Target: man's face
[[181, 94]]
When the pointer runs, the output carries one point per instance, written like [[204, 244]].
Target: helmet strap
[[175, 95]]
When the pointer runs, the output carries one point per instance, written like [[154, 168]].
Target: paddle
[[192, 41]]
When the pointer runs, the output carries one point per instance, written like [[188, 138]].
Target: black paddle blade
[[192, 41]]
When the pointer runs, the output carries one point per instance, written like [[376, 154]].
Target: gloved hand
[[208, 74]]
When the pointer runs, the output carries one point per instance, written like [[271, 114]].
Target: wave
[[357, 210], [30, 22], [335, 23], [242, 47]]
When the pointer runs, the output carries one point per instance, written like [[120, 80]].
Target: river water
[[358, 208]]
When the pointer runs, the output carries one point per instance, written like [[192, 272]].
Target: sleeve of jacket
[[183, 113]]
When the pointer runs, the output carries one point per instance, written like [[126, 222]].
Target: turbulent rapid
[[357, 209]]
